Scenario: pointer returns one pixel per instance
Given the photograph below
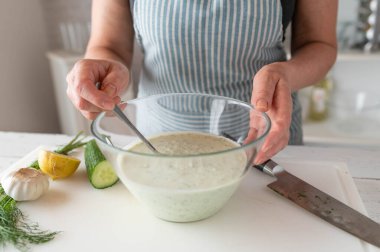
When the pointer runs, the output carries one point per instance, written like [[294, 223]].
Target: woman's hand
[[272, 94], [82, 91]]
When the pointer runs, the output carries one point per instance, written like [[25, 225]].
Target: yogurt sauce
[[179, 187]]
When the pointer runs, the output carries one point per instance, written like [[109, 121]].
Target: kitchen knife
[[321, 204]]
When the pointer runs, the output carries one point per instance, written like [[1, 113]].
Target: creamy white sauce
[[182, 188]]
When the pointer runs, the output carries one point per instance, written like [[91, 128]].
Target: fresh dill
[[14, 227]]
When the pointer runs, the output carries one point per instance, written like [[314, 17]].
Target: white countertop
[[363, 164]]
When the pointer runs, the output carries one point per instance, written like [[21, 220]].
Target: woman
[[219, 47]]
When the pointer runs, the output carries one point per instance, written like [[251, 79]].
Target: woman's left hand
[[272, 94]]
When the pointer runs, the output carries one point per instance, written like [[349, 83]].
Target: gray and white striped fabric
[[205, 46]]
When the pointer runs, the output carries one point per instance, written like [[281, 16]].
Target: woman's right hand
[[82, 91]]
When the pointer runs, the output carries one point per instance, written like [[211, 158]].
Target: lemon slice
[[57, 166]]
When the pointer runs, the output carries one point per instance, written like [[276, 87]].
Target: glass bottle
[[319, 100]]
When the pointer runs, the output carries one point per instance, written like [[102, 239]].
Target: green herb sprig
[[75, 143], [14, 228]]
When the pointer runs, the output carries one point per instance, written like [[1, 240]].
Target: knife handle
[[269, 167]]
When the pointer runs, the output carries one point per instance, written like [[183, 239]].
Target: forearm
[[314, 45], [112, 33], [310, 63]]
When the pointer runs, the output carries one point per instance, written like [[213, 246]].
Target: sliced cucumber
[[99, 170]]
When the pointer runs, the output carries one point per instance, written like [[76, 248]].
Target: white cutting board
[[255, 219]]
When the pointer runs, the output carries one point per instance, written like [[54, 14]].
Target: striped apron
[[213, 47]]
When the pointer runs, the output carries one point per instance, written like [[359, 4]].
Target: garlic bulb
[[25, 184]]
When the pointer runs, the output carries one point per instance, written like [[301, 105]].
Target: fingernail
[[110, 90], [262, 104]]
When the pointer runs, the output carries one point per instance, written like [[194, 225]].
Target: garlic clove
[[25, 184]]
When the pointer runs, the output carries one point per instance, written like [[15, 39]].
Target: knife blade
[[321, 204]]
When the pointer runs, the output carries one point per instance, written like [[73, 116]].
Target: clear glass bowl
[[183, 188]]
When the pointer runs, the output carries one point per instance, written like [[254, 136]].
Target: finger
[[281, 113], [87, 90], [116, 81], [110, 89], [276, 140], [111, 113], [274, 143], [265, 154], [94, 111], [252, 135], [90, 115], [264, 84], [80, 103], [84, 105]]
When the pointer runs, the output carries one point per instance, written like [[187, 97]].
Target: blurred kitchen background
[[40, 40]]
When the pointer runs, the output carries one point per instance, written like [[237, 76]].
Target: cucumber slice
[[100, 171]]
